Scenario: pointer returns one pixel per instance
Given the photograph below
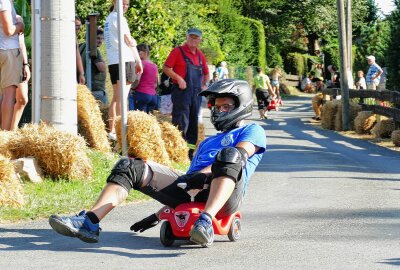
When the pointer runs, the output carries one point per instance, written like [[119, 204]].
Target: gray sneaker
[[78, 226], [202, 232]]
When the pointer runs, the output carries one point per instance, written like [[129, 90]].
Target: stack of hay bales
[[396, 137], [384, 128], [364, 122], [175, 145], [90, 123], [353, 111], [11, 191], [328, 113], [59, 154], [144, 137]]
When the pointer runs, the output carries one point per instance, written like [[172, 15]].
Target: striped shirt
[[372, 72]]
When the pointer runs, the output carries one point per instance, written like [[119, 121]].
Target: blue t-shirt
[[209, 148]]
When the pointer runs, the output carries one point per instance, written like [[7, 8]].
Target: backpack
[[165, 85]]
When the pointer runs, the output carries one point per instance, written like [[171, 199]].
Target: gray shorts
[[163, 188]]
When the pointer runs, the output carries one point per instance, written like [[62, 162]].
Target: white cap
[[371, 57]]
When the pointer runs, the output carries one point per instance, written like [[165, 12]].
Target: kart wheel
[[166, 236], [235, 229]]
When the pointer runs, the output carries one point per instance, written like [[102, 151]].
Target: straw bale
[[104, 113], [90, 123], [353, 111], [144, 137], [328, 112], [396, 137], [11, 190], [384, 128], [364, 122], [59, 154], [5, 136], [175, 145]]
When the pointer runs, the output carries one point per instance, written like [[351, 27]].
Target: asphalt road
[[317, 201]]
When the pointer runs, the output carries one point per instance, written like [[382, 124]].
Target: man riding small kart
[[226, 161]]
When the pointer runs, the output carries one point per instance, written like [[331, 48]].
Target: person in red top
[[186, 65]]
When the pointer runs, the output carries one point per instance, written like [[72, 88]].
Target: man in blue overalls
[[187, 67]]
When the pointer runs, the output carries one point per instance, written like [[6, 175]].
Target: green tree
[[393, 54]]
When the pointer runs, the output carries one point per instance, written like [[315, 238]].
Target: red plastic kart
[[179, 221]]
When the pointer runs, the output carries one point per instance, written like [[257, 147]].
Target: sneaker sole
[[60, 228], [198, 238]]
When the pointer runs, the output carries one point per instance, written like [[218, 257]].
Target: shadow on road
[[116, 243], [309, 148]]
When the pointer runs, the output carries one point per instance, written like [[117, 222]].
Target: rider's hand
[[193, 181], [145, 223]]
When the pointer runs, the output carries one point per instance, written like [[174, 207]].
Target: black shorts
[[163, 188], [262, 96], [129, 70]]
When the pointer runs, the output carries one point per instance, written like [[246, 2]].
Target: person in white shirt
[[361, 84], [131, 58]]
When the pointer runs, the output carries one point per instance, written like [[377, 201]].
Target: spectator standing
[[361, 84], [144, 96], [222, 71], [10, 60], [21, 94], [264, 92], [187, 66], [374, 73], [98, 67], [131, 55], [80, 72], [275, 75]]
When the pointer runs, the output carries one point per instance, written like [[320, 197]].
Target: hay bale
[[104, 113], [396, 137], [11, 190], [353, 111], [328, 113], [5, 136], [90, 123], [364, 122], [384, 128], [59, 154], [316, 102], [175, 145], [144, 137]]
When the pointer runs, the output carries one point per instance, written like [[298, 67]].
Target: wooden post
[[344, 81]]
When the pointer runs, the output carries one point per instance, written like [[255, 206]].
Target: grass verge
[[66, 196]]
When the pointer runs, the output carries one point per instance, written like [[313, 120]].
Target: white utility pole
[[58, 68], [36, 7], [122, 80]]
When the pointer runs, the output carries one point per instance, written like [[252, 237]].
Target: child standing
[[275, 75], [361, 84]]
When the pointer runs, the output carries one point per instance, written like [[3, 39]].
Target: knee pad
[[128, 173], [229, 162]]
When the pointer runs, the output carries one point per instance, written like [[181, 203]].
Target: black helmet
[[240, 91]]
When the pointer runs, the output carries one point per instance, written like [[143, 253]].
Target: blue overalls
[[186, 103]]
